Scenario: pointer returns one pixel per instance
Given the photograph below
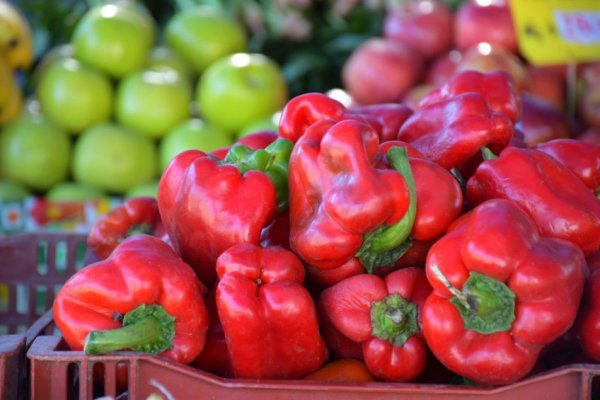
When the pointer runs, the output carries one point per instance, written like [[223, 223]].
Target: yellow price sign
[[557, 31]]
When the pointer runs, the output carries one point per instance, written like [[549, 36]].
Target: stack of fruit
[[110, 108]]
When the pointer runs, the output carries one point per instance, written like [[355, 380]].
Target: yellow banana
[[15, 37], [14, 107], [6, 78]]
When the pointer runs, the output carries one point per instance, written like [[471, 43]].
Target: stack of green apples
[[113, 106]]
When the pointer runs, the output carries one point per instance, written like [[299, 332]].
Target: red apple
[[485, 57], [381, 71], [424, 25], [488, 21], [416, 93], [547, 84], [443, 67], [541, 121]]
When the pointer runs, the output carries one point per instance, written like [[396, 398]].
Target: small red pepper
[[580, 157], [342, 206], [496, 87], [453, 130], [558, 201], [383, 314], [143, 297], [134, 215], [269, 318], [501, 292], [302, 111], [208, 205]]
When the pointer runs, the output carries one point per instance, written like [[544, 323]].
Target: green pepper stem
[[485, 304], [148, 328], [487, 154], [387, 243], [139, 228], [394, 319], [272, 160]]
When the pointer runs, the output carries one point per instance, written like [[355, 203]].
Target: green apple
[[268, 123], [115, 37], [74, 191], [55, 53], [239, 89], [34, 152], [149, 189], [191, 134], [74, 95], [202, 35], [153, 101], [163, 56], [11, 191], [113, 159]]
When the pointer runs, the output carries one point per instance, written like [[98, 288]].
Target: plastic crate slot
[[3, 329], [98, 378], [73, 381], [80, 253], [22, 303], [4, 298], [60, 256], [42, 257], [41, 299], [21, 329]]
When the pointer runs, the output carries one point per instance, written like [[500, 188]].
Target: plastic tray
[[12, 365]]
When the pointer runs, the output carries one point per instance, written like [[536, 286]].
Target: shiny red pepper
[[501, 292], [557, 200], [384, 315], [134, 215], [452, 131], [268, 317], [342, 206], [255, 140], [142, 297], [386, 118], [580, 157], [496, 87], [208, 205]]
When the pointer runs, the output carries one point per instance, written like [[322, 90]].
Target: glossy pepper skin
[[208, 205], [268, 317], [134, 215], [143, 288], [560, 204], [344, 209], [580, 157], [501, 292], [453, 130], [383, 314], [495, 87]]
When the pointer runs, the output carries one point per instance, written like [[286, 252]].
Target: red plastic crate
[[33, 266], [58, 373], [12, 366]]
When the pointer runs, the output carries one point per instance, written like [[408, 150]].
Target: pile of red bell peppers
[[407, 239]]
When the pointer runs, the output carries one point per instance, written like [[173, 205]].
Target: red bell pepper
[[341, 205], [580, 157], [501, 292], [269, 318], [560, 204], [134, 215], [383, 314], [386, 118], [452, 131], [208, 205], [496, 87], [143, 297]]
